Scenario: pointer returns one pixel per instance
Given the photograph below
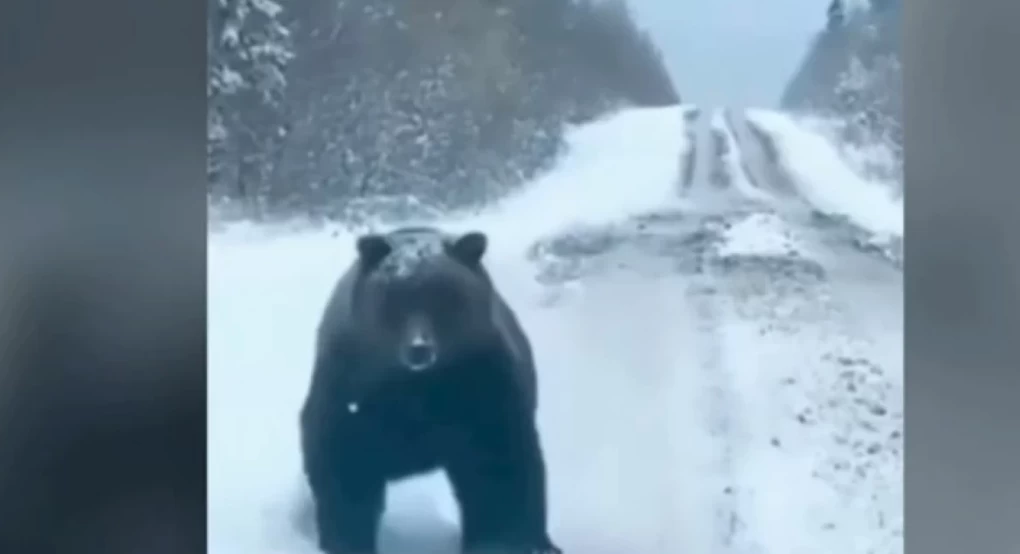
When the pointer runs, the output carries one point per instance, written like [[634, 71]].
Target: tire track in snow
[[759, 486], [719, 409], [718, 404], [689, 157]]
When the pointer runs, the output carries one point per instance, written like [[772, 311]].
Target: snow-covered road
[[715, 301]]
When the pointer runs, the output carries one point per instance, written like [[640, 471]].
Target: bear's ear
[[469, 248], [372, 249]]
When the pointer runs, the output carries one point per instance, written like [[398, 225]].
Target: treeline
[[316, 105], [853, 71]]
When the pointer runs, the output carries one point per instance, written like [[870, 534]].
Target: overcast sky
[[731, 52]]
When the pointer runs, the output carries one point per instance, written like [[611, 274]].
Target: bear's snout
[[419, 351], [418, 357]]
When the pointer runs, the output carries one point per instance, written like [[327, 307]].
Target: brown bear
[[421, 365]]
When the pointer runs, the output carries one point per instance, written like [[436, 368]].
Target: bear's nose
[[419, 356]]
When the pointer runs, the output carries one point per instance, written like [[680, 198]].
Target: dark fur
[[472, 415]]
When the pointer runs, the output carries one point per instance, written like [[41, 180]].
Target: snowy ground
[[720, 357]]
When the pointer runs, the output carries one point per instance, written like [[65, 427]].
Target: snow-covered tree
[[437, 102], [853, 73], [871, 98], [836, 14], [249, 48]]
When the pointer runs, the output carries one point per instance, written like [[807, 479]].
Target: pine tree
[[249, 50], [435, 103]]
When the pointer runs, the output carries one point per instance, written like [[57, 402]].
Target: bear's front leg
[[497, 472], [348, 509], [349, 494]]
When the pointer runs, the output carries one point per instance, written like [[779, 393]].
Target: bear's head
[[424, 298]]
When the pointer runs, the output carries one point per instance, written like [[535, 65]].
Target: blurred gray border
[[962, 122], [102, 276]]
